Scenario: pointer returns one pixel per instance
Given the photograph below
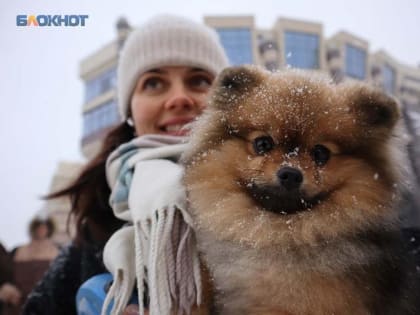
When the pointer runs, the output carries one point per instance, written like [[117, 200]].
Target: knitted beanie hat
[[166, 41]]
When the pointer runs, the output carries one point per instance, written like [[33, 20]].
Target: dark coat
[[56, 292], [6, 271]]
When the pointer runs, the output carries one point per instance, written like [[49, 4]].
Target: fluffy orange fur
[[307, 255]]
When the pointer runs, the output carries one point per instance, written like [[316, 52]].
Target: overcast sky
[[42, 95]]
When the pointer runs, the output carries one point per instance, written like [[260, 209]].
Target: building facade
[[238, 37], [288, 44], [99, 74], [348, 57]]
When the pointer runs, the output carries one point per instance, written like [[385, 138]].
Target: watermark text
[[51, 20]]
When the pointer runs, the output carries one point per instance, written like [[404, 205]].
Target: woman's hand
[[10, 294]]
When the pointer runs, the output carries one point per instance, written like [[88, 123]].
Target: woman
[[33, 259], [165, 71]]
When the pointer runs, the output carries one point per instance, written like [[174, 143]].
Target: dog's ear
[[235, 82], [374, 113], [238, 79], [375, 109]]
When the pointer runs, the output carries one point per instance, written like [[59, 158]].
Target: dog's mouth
[[278, 200]]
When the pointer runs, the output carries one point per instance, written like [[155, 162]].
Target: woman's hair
[[89, 192], [162, 41], [37, 222]]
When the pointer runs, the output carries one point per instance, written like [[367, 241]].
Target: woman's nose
[[180, 99]]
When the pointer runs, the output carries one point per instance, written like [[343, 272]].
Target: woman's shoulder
[[29, 252], [20, 253]]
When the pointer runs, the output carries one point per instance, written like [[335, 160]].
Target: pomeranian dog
[[292, 184]]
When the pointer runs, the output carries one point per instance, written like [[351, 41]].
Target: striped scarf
[[159, 248]]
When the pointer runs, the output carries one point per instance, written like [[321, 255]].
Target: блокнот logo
[[51, 20]]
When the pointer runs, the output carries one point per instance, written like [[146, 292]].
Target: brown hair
[[89, 193], [37, 222]]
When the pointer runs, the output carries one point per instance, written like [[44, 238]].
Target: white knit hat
[[166, 41]]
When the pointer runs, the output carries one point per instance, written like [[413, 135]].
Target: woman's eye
[[263, 144], [200, 82], [320, 154], [152, 84]]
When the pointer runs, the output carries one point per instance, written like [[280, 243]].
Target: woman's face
[[41, 232], [167, 98]]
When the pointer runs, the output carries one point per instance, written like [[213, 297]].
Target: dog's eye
[[263, 144], [320, 155]]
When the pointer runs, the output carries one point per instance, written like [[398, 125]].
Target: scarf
[[158, 249]]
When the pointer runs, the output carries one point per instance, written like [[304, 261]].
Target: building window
[[388, 74], [410, 78], [355, 62], [101, 84], [238, 44], [301, 50], [101, 117]]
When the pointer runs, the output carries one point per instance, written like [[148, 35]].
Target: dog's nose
[[290, 178]]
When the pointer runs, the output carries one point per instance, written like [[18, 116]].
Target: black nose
[[290, 178]]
